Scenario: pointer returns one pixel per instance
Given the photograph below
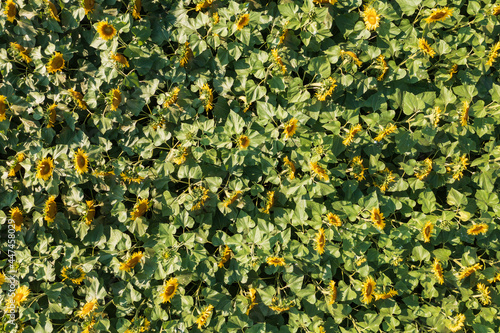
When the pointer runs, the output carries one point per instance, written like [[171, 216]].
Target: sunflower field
[[251, 166]]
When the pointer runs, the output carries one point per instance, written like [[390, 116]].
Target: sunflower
[[53, 11], [140, 209], [116, 99], [458, 323], [383, 179], [52, 115], [89, 217], [200, 196], [320, 241], [17, 215], [439, 14], [351, 56], [75, 274], [136, 13], [252, 295], [327, 88], [426, 48], [202, 319], [368, 290], [453, 70], [106, 30], [493, 54], [186, 54], [50, 210], [232, 199], [371, 18], [270, 201], [243, 21], [45, 168], [350, 136], [17, 165], [3, 107], [357, 168], [383, 65], [276, 261], [389, 294], [120, 59], [88, 308], [78, 97], [477, 229], [464, 113], [23, 52], [169, 290], [291, 167], [334, 219], [427, 231], [21, 295], [2, 278], [56, 63], [88, 5], [436, 116], [425, 170], [317, 170], [496, 10], [244, 142], [290, 128], [279, 61], [485, 294], [81, 161], [10, 10], [465, 272], [391, 128], [377, 218], [226, 255], [283, 36], [171, 97], [333, 292], [437, 269], [207, 97], [131, 262], [459, 167], [203, 4]]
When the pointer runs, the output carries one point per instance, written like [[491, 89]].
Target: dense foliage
[[289, 166]]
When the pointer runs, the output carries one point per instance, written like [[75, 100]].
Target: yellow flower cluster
[[493, 54], [278, 60], [270, 202], [391, 128], [226, 255], [291, 167], [317, 170], [466, 271], [425, 170], [326, 89], [202, 319], [320, 241]]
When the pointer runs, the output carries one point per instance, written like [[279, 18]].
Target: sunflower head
[[120, 59], [115, 97], [368, 290], [427, 231], [320, 241], [10, 10], [51, 115], [21, 295], [244, 142], [169, 290], [371, 18], [132, 262], [20, 51], [276, 261], [186, 54], [477, 229], [88, 308], [88, 5], [17, 215], [378, 218], [140, 209], [50, 210], [439, 14], [56, 63], [53, 11], [207, 97], [334, 219], [81, 161], [75, 274], [89, 217], [45, 168], [136, 12], [290, 128], [106, 30], [242, 21], [426, 48]]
